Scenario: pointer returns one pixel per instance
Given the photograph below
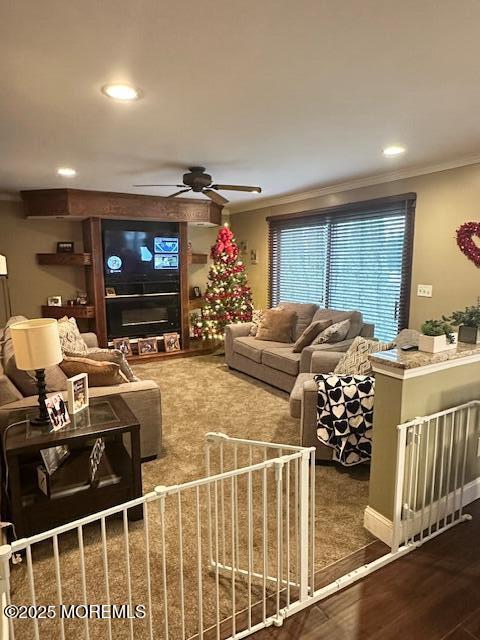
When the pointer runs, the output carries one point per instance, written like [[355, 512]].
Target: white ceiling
[[290, 95]]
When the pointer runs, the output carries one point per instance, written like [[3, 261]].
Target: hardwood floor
[[432, 593]]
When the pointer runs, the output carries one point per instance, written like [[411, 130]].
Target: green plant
[[438, 328], [470, 317]]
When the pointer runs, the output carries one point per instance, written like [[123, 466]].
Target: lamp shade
[[3, 265], [36, 343]]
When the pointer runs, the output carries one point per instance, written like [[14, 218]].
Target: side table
[[72, 492]]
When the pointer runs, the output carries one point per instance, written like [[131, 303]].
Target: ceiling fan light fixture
[[121, 92]]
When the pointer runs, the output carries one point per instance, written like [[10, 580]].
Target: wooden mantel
[[81, 204]]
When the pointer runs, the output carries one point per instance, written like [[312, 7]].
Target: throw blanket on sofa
[[345, 416]]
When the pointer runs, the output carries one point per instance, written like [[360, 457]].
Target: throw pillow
[[334, 333], [107, 355], [310, 333], [257, 316], [100, 374], [355, 362], [277, 325], [70, 337]]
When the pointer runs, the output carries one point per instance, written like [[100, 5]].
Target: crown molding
[[357, 183]]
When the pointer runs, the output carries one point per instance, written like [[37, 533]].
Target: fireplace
[[139, 316]]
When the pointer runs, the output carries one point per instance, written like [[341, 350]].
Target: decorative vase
[[469, 334], [434, 344]]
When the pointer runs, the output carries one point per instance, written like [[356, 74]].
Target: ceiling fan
[[200, 182]]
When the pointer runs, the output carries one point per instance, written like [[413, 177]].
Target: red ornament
[[465, 234]]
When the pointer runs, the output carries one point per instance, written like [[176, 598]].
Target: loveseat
[[275, 362], [142, 396]]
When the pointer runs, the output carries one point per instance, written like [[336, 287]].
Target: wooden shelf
[[71, 259], [197, 258], [196, 303], [76, 311]]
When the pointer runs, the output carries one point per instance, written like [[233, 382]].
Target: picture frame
[[172, 342], [147, 346], [95, 459], [78, 396], [110, 292], [65, 247], [123, 345], [196, 292], [54, 301], [53, 457], [253, 256], [82, 297], [57, 411]]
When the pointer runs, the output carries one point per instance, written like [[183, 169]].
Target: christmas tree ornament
[[228, 298]]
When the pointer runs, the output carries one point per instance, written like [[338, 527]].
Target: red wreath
[[465, 235]]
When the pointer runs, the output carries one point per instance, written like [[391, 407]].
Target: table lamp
[[37, 346]]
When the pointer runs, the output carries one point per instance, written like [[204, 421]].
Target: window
[[352, 257]]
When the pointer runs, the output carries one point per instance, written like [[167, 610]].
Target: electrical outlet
[[424, 290]]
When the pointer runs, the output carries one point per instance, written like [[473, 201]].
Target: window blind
[[356, 257]]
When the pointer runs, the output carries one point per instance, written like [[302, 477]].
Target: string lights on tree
[[228, 298]]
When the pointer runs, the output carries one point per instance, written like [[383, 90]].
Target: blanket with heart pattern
[[345, 416]]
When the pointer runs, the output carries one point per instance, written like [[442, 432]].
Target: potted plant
[[468, 323], [436, 335]]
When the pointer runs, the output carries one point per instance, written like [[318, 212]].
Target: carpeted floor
[[198, 395]]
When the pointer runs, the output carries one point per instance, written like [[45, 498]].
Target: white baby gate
[[219, 557]]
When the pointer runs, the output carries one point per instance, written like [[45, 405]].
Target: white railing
[[438, 473], [228, 554], [222, 556]]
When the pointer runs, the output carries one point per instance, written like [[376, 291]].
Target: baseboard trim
[[382, 527]]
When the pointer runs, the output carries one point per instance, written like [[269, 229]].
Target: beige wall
[[31, 284], [444, 201], [202, 239]]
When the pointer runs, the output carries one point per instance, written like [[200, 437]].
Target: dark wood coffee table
[[73, 494]]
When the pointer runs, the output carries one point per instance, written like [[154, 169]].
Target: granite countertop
[[411, 359]]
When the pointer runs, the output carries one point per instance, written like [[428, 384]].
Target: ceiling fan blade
[[215, 197], [236, 187], [177, 193], [159, 185]]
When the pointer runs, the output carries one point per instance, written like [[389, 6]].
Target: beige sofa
[[142, 397], [275, 362]]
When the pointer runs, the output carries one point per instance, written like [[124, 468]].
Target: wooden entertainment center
[[90, 208]]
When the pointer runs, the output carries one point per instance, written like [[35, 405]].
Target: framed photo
[[146, 346], [65, 247], [53, 457], [110, 292], [54, 301], [77, 388], [82, 297], [123, 345], [172, 341], [196, 292], [57, 411], [253, 256], [95, 459]]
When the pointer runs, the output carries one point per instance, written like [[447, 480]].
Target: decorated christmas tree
[[228, 297]]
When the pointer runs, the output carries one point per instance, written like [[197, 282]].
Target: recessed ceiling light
[[124, 92], [393, 150], [66, 172]]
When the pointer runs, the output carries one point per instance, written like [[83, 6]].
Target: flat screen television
[[139, 254]]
